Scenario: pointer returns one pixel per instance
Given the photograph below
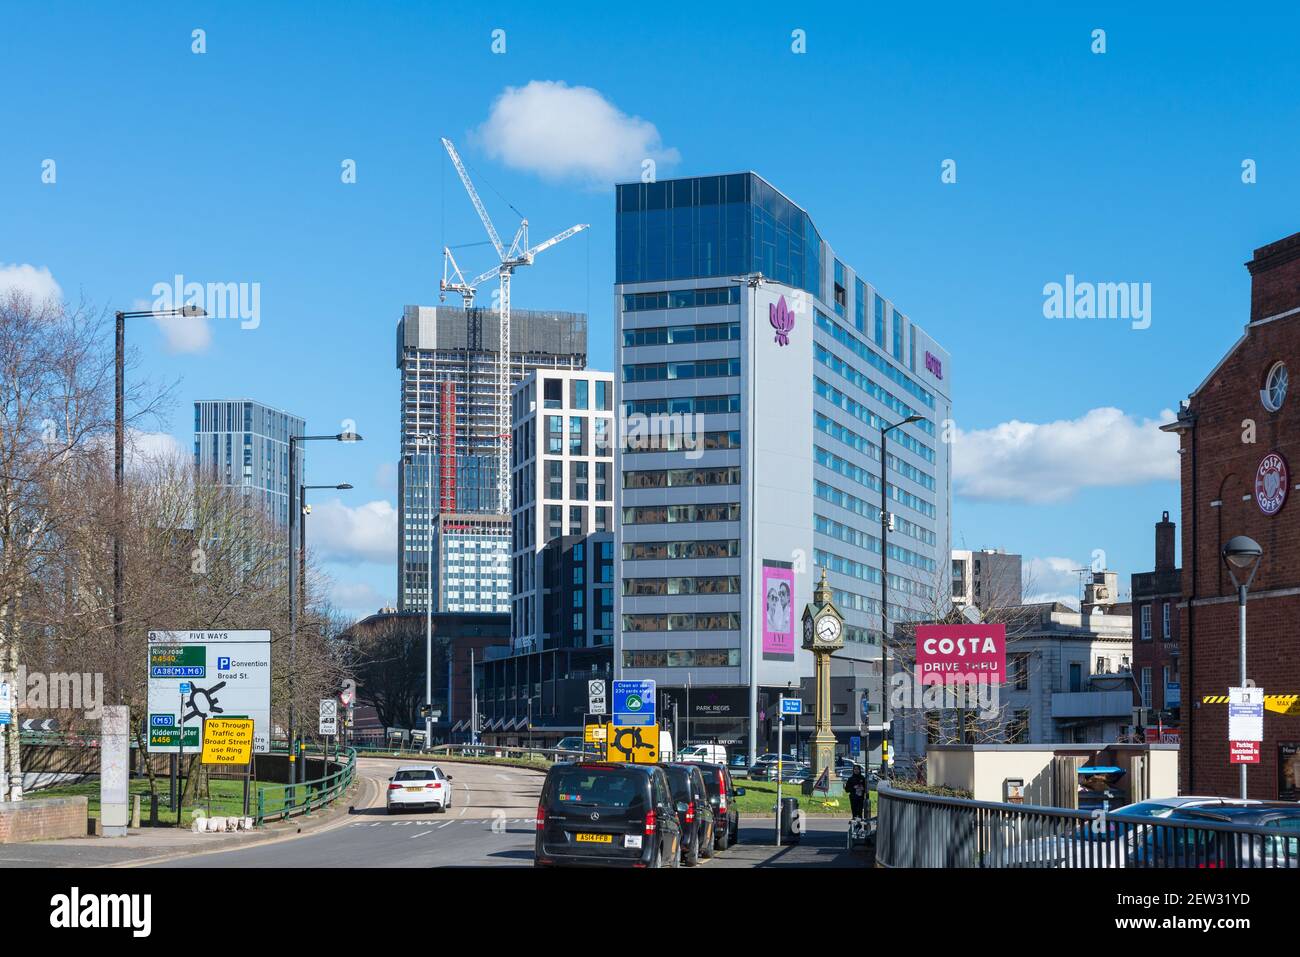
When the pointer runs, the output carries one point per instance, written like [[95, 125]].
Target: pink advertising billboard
[[778, 613], [961, 653]]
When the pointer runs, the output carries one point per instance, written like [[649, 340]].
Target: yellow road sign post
[[227, 741]]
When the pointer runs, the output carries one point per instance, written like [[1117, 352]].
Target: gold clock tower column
[[823, 634]]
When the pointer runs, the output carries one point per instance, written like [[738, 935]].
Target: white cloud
[[37, 283], [1051, 461], [153, 448], [569, 132], [1052, 579], [367, 533], [181, 333], [357, 597]]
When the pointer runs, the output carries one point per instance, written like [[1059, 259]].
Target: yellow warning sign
[[595, 733], [227, 740], [1278, 703], [637, 744]]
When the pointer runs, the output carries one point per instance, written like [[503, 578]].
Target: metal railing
[[279, 801], [915, 829]]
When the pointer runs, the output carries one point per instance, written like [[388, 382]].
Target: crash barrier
[[915, 829], [278, 801]]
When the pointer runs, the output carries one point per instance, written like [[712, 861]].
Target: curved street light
[[1242, 554]]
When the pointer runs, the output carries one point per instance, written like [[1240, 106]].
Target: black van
[[607, 814]]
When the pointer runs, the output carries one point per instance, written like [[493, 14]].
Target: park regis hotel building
[[754, 372]]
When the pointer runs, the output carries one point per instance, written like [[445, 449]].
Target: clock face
[[828, 630]]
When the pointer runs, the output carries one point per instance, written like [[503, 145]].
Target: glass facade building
[[772, 366], [242, 444]]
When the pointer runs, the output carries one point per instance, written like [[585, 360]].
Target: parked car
[[418, 786], [711, 753], [577, 744], [765, 765], [723, 793], [611, 815], [1206, 848], [739, 765], [1117, 843], [694, 812]]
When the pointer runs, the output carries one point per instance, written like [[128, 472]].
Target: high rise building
[[562, 485], [447, 358], [756, 371], [242, 444]]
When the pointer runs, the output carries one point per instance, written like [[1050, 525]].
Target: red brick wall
[[1225, 472], [42, 819]]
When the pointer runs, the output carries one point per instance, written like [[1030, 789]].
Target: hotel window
[[579, 483], [578, 400], [880, 322], [898, 335], [554, 478], [841, 294], [1165, 633], [860, 306], [602, 482], [553, 395], [604, 396], [555, 434], [576, 430], [1146, 622]]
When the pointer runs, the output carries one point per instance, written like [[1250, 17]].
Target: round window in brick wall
[[1274, 392]]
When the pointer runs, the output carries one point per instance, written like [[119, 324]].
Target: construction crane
[[518, 254]]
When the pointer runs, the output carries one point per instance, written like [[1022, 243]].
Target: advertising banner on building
[[1288, 771], [961, 653], [778, 612]]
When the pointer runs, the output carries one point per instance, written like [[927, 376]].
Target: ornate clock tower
[[823, 634]]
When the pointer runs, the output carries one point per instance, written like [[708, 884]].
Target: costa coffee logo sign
[[1271, 483], [934, 364]]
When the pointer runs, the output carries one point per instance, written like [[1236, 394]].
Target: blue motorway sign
[[855, 744], [792, 706], [634, 702]]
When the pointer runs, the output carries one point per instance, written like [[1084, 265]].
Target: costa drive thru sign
[[961, 653], [195, 675]]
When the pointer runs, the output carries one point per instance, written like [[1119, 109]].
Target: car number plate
[[412, 789], [595, 838]]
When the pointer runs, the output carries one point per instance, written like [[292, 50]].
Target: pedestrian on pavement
[[856, 785]]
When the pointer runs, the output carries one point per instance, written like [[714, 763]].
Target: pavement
[[490, 824]]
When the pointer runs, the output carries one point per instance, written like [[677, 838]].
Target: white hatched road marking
[[421, 834]]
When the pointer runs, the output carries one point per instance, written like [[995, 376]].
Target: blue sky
[[1124, 166]]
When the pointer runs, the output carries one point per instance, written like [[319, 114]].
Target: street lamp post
[[886, 726], [1242, 554], [299, 773], [427, 444], [119, 430]]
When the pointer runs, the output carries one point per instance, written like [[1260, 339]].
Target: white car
[[419, 786], [703, 753]]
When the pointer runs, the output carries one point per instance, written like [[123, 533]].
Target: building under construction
[[448, 363]]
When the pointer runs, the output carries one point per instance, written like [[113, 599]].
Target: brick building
[[1155, 597], [1238, 430]]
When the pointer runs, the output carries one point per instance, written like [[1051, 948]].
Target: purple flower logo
[[782, 319]]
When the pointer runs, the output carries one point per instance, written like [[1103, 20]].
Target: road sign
[[866, 708], [195, 675], [634, 703], [855, 744], [594, 733], [791, 706], [1245, 724], [6, 702], [329, 716], [39, 724], [349, 692], [597, 703], [417, 736], [228, 740], [635, 743]]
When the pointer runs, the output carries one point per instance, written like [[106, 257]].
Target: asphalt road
[[490, 824]]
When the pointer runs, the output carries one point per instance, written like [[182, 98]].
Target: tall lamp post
[[294, 517], [427, 444], [887, 728], [1242, 554], [119, 429]]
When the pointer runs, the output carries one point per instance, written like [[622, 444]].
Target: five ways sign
[[196, 675], [227, 740]]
